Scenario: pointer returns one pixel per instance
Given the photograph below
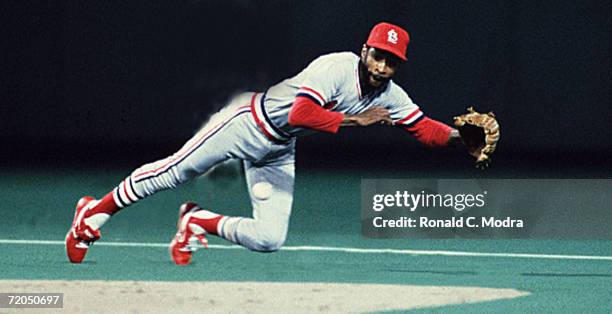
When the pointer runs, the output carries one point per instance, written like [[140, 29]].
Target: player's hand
[[474, 149], [370, 116]]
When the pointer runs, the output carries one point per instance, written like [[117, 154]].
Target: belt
[[272, 132]]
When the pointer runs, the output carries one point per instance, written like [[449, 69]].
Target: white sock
[[96, 221]]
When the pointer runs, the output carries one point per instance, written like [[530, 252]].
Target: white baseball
[[262, 190]]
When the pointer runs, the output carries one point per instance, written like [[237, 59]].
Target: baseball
[[262, 190]]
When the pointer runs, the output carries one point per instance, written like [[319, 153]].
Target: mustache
[[377, 77]]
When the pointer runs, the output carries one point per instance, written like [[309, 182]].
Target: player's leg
[[271, 191], [216, 142]]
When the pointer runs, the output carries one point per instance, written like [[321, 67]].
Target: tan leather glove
[[480, 133]]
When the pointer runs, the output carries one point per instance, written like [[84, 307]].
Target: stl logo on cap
[[389, 37], [392, 36]]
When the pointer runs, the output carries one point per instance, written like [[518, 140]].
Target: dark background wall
[[132, 80]]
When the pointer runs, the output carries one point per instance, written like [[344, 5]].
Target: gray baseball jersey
[[332, 81]]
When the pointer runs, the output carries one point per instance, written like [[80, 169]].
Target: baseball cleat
[[80, 236], [188, 236]]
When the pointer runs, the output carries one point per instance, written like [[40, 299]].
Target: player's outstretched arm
[[371, 116], [306, 113], [433, 133]]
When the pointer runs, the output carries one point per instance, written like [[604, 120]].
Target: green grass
[[39, 205]]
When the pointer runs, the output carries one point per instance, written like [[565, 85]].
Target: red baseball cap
[[389, 37]]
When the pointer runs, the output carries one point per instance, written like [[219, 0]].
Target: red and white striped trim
[[413, 116], [121, 203], [261, 121], [313, 93], [124, 194], [128, 190], [188, 149]]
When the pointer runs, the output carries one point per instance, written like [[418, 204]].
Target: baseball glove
[[480, 133]]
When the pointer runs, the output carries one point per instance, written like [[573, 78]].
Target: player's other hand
[[371, 116]]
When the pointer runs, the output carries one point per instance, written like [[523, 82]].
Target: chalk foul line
[[338, 249]]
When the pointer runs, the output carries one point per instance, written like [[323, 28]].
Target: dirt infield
[[249, 297]]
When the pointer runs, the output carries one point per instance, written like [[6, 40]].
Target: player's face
[[381, 65]]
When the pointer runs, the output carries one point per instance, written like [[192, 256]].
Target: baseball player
[[335, 90]]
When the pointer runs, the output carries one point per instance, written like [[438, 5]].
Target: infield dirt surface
[[251, 297]]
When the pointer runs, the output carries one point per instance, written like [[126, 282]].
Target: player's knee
[[270, 245], [270, 240]]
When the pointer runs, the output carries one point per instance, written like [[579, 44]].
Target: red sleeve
[[306, 113], [430, 132]]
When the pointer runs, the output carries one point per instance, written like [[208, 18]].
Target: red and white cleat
[[188, 236], [80, 236]]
